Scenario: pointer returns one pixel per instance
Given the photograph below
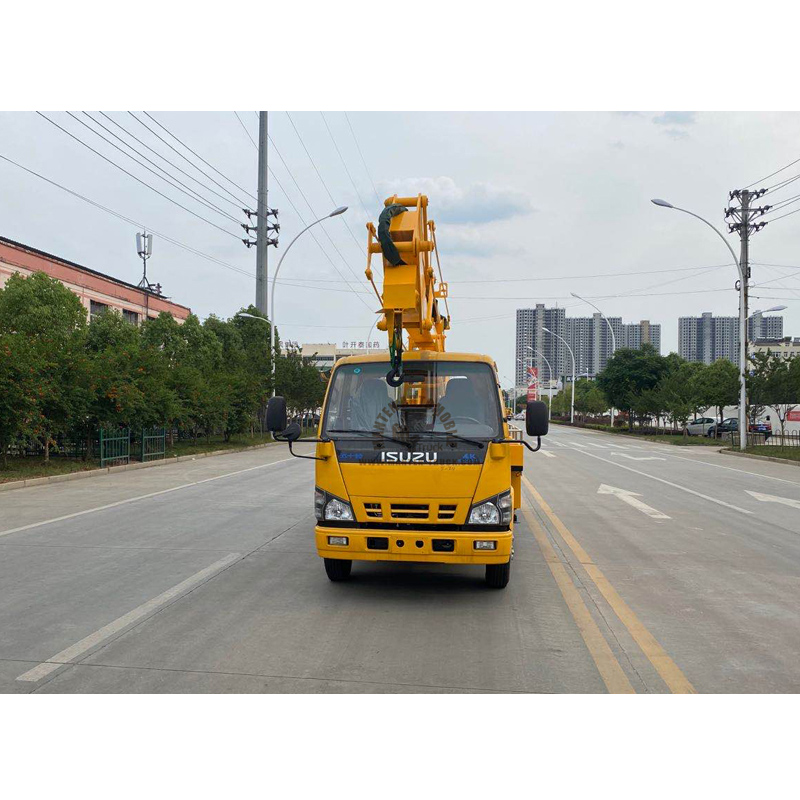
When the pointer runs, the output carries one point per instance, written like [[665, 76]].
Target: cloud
[[476, 203], [629, 113], [618, 145], [676, 133], [676, 118], [465, 240]]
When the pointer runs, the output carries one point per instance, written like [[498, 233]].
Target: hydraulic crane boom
[[406, 238]]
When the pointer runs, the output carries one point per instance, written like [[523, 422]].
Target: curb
[[774, 459], [91, 473]]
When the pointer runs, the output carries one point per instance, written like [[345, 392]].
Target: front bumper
[[417, 545]]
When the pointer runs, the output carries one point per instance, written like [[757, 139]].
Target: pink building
[[97, 291]]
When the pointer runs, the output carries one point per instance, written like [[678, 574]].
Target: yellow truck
[[415, 460]]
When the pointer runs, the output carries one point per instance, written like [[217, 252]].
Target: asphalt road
[[638, 568]]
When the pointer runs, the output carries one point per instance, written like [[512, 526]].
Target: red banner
[[533, 386], [793, 416]]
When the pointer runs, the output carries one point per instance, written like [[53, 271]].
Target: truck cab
[[426, 471]]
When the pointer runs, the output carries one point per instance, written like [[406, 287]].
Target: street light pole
[[572, 401], [613, 337], [742, 323], [334, 213], [550, 379]]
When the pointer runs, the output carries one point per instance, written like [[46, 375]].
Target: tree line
[[649, 387], [63, 376]]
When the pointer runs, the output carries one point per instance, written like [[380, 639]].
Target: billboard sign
[[533, 383], [793, 416]]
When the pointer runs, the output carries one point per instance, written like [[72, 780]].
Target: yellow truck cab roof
[[417, 355]]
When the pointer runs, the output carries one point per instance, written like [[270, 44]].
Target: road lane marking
[[138, 497], [599, 446], [669, 483], [93, 639], [630, 499], [547, 453], [669, 671], [608, 666], [771, 498], [638, 458]]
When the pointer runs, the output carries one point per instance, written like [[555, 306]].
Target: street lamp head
[[546, 330], [250, 316], [575, 295], [337, 211], [662, 203], [775, 308]]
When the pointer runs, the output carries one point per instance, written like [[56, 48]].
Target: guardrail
[[789, 439], [515, 433]]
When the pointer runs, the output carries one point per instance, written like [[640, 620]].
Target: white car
[[699, 426]]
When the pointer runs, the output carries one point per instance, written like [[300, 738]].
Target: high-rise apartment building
[[589, 338], [708, 338]]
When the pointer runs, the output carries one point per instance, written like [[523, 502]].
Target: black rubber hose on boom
[[387, 245]]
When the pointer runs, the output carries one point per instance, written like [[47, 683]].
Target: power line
[[359, 245], [188, 191], [797, 160], [776, 187], [234, 203], [139, 180], [128, 219], [344, 163], [245, 130], [358, 147], [197, 155], [789, 214]]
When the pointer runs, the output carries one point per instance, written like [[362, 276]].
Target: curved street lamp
[[572, 400], [613, 337], [742, 323], [334, 213]]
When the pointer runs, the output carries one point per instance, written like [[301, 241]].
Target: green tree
[[776, 383], [49, 324], [628, 374], [718, 385]]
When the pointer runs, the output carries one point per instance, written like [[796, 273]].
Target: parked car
[[699, 426], [762, 426], [726, 426]]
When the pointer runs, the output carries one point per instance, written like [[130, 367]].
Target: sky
[[529, 207]]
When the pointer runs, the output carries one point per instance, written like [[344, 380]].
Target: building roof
[[87, 270]]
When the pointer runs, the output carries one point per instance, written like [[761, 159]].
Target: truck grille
[[373, 510], [409, 510]]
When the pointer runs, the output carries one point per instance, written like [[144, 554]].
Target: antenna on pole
[[144, 249]]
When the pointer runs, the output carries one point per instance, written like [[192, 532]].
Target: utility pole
[[263, 212], [262, 243], [743, 225]]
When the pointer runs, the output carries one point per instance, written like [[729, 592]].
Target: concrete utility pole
[[743, 216], [262, 231]]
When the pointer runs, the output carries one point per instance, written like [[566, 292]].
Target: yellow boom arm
[[409, 300]]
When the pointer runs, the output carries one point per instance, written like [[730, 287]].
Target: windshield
[[439, 399]]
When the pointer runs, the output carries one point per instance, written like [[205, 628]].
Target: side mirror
[[536, 423], [292, 432], [276, 415]]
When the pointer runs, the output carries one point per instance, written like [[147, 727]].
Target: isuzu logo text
[[409, 458]]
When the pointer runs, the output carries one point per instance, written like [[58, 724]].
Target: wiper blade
[[377, 434], [456, 436]]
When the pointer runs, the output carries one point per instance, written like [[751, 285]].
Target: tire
[[338, 569], [498, 575]]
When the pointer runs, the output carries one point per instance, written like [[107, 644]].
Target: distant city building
[[708, 338], [589, 338], [324, 355], [785, 347], [97, 292]]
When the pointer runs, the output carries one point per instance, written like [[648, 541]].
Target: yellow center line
[[669, 671], [607, 665]]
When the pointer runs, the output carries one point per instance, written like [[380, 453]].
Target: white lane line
[[93, 639], [734, 469], [600, 446], [547, 453], [639, 458], [577, 444], [631, 499], [138, 497], [668, 483], [771, 498]]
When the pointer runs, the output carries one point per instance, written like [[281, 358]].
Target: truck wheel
[[497, 575], [338, 569]]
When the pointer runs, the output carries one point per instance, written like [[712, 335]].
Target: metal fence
[[154, 444], [777, 440], [115, 447]]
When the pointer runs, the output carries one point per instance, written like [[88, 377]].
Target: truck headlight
[[494, 511], [484, 514], [338, 510]]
